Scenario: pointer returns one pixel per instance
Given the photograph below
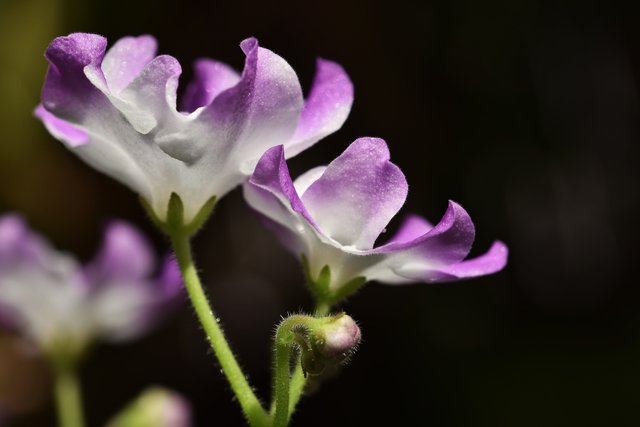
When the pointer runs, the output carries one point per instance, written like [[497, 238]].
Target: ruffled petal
[[358, 194], [236, 128], [76, 92], [271, 192], [491, 262], [305, 180], [126, 59], [125, 254], [60, 129], [210, 79], [326, 108], [150, 98], [412, 227], [448, 242], [66, 91]]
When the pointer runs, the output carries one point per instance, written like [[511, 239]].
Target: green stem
[[253, 410], [68, 398], [322, 308], [298, 379], [285, 338]]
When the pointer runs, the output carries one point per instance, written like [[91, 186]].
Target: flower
[[117, 111], [62, 306], [332, 216]]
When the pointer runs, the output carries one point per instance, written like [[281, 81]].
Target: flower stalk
[[68, 397], [285, 342], [251, 406]]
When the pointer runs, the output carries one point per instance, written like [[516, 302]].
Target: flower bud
[[331, 342], [155, 407], [339, 338]]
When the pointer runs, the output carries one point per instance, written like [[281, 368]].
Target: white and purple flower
[[117, 111], [332, 216], [62, 306]]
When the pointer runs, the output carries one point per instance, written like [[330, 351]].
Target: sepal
[[325, 294], [174, 223]]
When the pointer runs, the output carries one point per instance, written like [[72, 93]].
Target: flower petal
[[70, 96], [125, 254], [151, 97], [39, 286], [19, 245], [412, 227], [66, 91], [76, 91], [123, 309], [171, 282], [259, 112], [448, 242], [305, 180], [271, 192], [61, 129], [358, 194], [210, 78], [492, 261], [326, 108], [126, 59]]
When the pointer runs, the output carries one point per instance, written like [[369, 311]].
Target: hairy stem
[[284, 342], [251, 406], [298, 379]]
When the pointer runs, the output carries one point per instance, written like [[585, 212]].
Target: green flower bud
[[155, 407]]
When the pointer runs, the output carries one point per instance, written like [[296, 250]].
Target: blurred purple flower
[[55, 302], [334, 215], [117, 111]]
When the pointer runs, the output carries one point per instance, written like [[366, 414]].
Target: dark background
[[524, 112]]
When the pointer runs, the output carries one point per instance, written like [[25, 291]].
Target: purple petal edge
[[412, 227], [66, 81], [449, 241], [326, 108], [60, 129], [358, 194], [494, 260], [272, 174]]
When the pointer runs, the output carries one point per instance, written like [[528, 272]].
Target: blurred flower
[[155, 407], [333, 215], [62, 306], [117, 111]]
